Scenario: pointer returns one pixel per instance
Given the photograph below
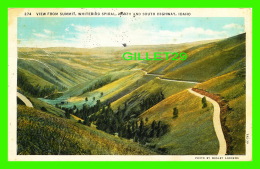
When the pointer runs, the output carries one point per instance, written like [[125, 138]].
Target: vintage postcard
[[130, 84]]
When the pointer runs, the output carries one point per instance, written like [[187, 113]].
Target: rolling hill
[[134, 99], [45, 134], [226, 55]]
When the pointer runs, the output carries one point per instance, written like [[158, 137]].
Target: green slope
[[205, 61], [218, 64], [191, 133], [33, 79], [231, 87], [44, 134], [153, 87]]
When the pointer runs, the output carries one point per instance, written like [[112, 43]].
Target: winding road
[[216, 114], [216, 123], [172, 80], [24, 99]]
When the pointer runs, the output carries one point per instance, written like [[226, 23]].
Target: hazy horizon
[[113, 31]]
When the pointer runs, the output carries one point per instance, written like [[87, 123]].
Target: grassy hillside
[[81, 90], [183, 137], [56, 73], [82, 76], [191, 132], [226, 55], [68, 67], [153, 87], [231, 87], [33, 79], [63, 66], [44, 134], [38, 104], [111, 85], [112, 89]]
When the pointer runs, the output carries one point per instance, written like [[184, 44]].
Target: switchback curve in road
[[24, 99], [216, 123]]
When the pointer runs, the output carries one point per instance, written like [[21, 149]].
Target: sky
[[89, 32]]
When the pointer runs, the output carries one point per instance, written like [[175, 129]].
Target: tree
[[43, 109], [125, 108], [146, 119], [86, 122], [204, 102], [86, 99], [98, 104], [129, 132], [67, 114], [141, 128], [153, 124], [175, 112], [153, 131], [159, 132], [94, 98], [162, 96], [101, 94]]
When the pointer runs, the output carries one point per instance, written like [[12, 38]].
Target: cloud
[[234, 29], [48, 35], [131, 31], [201, 31], [132, 34], [40, 35], [47, 31], [233, 26], [197, 34]]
